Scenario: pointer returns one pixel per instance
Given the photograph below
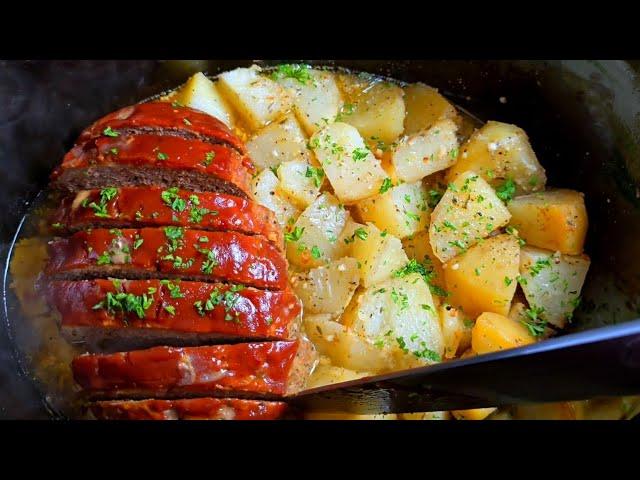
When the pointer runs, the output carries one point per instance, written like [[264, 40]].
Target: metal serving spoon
[[579, 366]]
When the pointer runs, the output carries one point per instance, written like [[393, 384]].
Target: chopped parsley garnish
[[173, 200], [317, 174], [104, 259], [114, 151], [176, 104], [208, 158], [186, 121], [449, 225], [386, 185], [359, 154], [170, 309], [454, 153], [459, 245], [426, 353], [506, 191], [125, 302], [361, 233], [347, 109], [138, 241], [508, 281], [210, 262], [197, 214], [294, 235], [109, 132], [400, 298], [162, 156], [315, 252], [434, 198], [540, 264], [297, 71], [100, 209], [533, 321], [413, 266]]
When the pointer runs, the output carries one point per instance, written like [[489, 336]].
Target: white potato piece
[[352, 170], [258, 99], [379, 254], [399, 315], [328, 374], [344, 347], [456, 330], [426, 152], [327, 289], [425, 416], [500, 151], [348, 237], [313, 239], [300, 182], [316, 100], [201, 93], [401, 210], [469, 211], [264, 188], [377, 107], [418, 247], [425, 106], [281, 141], [552, 282]]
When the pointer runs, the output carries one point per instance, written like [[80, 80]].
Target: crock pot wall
[[582, 118]]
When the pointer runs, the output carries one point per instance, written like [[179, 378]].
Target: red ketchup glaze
[[145, 206], [163, 152], [163, 115], [247, 312], [189, 409], [244, 368], [226, 256]]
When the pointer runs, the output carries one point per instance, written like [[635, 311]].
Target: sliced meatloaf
[[151, 160], [120, 314], [168, 252], [261, 370], [188, 409], [154, 207]]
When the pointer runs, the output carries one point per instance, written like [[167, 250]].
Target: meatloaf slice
[[188, 409], [163, 118], [151, 160], [155, 207], [122, 314], [264, 370], [169, 252]]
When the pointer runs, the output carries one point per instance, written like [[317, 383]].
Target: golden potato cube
[[201, 93], [329, 374], [554, 219], [456, 330], [379, 254], [493, 332], [347, 237], [418, 247], [265, 191], [300, 182], [497, 152], [483, 279], [425, 106], [425, 416], [401, 210], [281, 141], [473, 414], [468, 212]]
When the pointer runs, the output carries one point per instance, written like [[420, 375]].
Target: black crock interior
[[581, 117]]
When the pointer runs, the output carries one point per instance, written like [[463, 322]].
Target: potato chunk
[[327, 289], [348, 237], [426, 152], [493, 332], [399, 314], [473, 414], [456, 330], [552, 282], [313, 240], [300, 182], [469, 211], [352, 170], [425, 416], [379, 254], [401, 211], [316, 99], [425, 106], [376, 108], [499, 151], [281, 141], [328, 374], [483, 279], [417, 247], [201, 93], [344, 347], [555, 220], [258, 99], [264, 188]]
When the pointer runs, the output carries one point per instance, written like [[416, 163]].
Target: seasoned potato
[[328, 289], [201, 93], [469, 211], [499, 151], [493, 332], [549, 411], [552, 282], [316, 99], [425, 106], [352, 170], [313, 240], [348, 237], [456, 330], [418, 247], [264, 188], [555, 220], [300, 182], [426, 152], [328, 374], [399, 315], [483, 279], [473, 414], [425, 416], [401, 211], [376, 108], [281, 141], [344, 347], [379, 254], [258, 99]]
